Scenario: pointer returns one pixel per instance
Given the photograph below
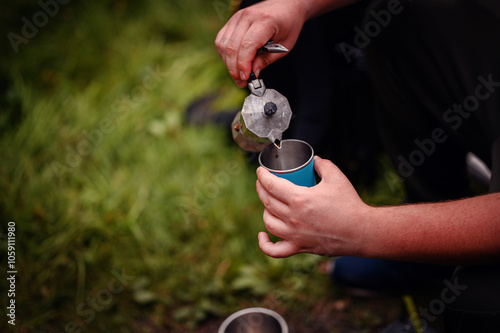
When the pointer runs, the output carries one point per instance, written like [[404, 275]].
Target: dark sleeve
[[495, 167]]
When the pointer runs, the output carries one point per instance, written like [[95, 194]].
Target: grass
[[126, 216]]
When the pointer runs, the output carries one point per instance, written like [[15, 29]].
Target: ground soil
[[341, 315], [338, 312]]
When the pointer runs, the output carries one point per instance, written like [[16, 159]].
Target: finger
[[254, 38], [277, 207], [225, 33], [220, 41], [281, 249], [229, 44], [241, 84], [223, 36], [275, 225], [277, 187]]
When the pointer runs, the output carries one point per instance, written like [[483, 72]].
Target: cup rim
[[275, 315], [288, 170]]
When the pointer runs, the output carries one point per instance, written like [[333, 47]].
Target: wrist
[[365, 237], [313, 8], [304, 8]]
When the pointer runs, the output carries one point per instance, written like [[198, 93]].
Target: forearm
[[313, 8], [455, 232]]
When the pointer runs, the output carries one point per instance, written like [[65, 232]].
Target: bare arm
[[460, 231], [330, 219], [250, 28], [314, 8]]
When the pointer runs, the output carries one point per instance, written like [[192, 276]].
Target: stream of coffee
[[277, 143]]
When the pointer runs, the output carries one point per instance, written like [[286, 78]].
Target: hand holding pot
[[251, 28]]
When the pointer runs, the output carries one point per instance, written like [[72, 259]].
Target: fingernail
[[242, 76], [257, 72]]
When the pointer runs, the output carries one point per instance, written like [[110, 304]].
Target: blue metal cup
[[294, 161]]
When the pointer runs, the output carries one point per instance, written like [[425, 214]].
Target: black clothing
[[437, 66], [436, 75]]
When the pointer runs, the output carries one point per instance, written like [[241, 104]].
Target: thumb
[[280, 249], [326, 170], [324, 167]]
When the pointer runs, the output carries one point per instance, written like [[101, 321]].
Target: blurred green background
[[129, 219]]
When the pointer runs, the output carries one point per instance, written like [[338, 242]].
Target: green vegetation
[[127, 218]]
